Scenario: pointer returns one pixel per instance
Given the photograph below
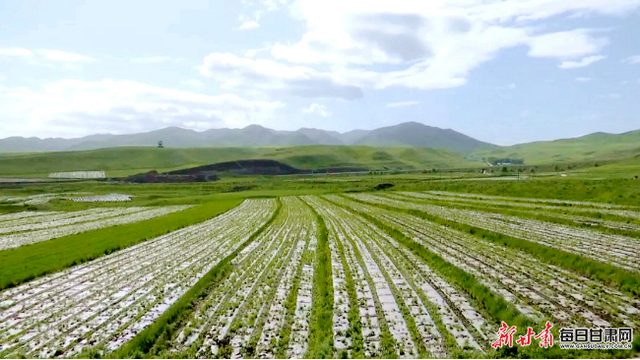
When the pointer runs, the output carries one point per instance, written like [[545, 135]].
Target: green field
[[128, 161], [591, 148]]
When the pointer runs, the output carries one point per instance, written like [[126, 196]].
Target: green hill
[[594, 147], [131, 160]]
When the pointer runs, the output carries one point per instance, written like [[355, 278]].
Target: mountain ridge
[[408, 134]]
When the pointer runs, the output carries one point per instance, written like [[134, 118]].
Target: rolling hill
[[411, 134], [593, 147], [131, 160]]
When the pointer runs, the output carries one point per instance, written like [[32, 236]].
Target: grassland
[[590, 148], [128, 161]]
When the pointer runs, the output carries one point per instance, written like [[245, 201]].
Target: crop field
[[66, 311], [30, 227], [408, 274], [103, 198]]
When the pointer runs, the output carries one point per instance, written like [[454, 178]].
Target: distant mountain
[[323, 137], [410, 134], [419, 135]]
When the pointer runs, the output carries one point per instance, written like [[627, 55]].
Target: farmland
[[31, 227], [411, 273]]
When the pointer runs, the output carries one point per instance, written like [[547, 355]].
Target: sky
[[502, 71]]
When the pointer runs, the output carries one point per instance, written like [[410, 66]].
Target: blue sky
[[506, 71]]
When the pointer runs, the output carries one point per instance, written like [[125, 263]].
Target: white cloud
[[402, 104], [249, 25], [565, 44], [583, 79], [434, 44], [77, 107], [317, 109], [156, 60], [274, 78], [582, 63], [633, 60], [17, 52]]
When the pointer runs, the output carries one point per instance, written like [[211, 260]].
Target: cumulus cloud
[[235, 72], [435, 44], [582, 63], [633, 60], [317, 109], [77, 107], [402, 104], [566, 44], [17, 52], [249, 25]]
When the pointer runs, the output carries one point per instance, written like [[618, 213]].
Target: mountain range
[[409, 134]]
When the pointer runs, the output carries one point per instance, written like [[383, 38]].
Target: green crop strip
[[290, 305], [608, 274], [321, 324], [403, 263], [547, 215], [27, 262], [355, 325], [387, 342], [406, 312], [490, 303], [153, 338]]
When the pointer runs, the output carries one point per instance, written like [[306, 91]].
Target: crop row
[[530, 200], [33, 229], [388, 301], [78, 175], [64, 218], [539, 290], [583, 215], [103, 198], [110, 300], [261, 309], [618, 250]]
